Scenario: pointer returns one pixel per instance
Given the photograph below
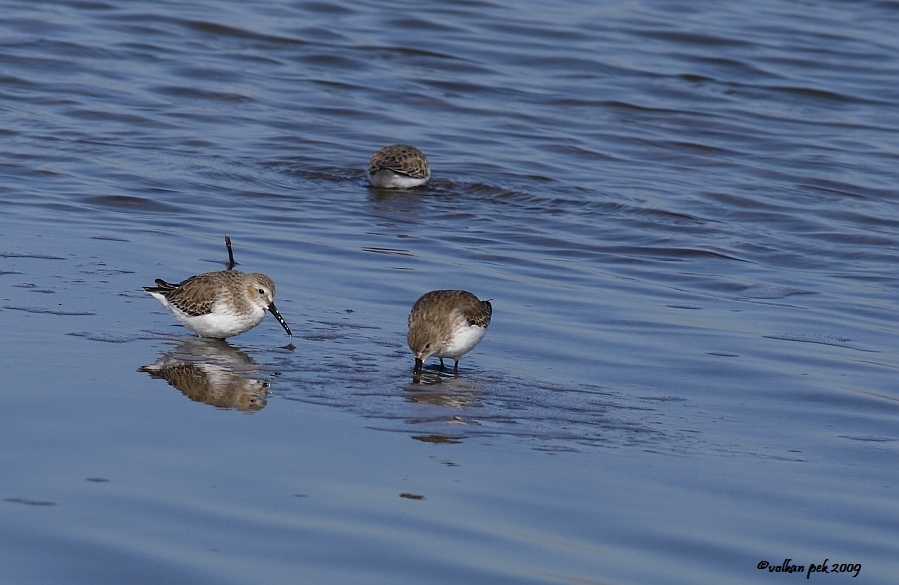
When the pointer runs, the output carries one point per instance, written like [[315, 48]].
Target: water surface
[[685, 216]]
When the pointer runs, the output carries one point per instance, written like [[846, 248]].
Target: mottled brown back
[[435, 303], [401, 159], [192, 295]]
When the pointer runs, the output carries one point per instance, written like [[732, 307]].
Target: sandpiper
[[398, 166], [446, 324], [219, 304]]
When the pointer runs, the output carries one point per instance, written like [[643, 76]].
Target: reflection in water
[[435, 375], [442, 408], [439, 439], [443, 402], [214, 372], [438, 396], [432, 388]]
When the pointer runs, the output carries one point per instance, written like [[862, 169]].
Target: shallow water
[[685, 216]]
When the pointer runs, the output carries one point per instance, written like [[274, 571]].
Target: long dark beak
[[417, 369], [280, 319]]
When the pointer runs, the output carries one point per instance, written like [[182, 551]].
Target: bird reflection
[[213, 372], [450, 392]]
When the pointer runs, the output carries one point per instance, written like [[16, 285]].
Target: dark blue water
[[686, 217]]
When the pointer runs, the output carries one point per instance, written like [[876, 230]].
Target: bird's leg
[[230, 253]]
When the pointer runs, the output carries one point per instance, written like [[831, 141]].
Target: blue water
[[686, 217]]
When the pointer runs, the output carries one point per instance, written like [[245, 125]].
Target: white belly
[[463, 341], [220, 323], [390, 180]]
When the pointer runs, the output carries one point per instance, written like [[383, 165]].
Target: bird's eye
[[427, 346], [262, 291]]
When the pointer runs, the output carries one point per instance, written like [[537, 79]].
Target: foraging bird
[[446, 324], [398, 166], [219, 304]]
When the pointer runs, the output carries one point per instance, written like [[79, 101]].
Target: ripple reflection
[[213, 372]]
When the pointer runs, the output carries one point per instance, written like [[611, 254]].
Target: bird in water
[[219, 304], [398, 166], [446, 324]]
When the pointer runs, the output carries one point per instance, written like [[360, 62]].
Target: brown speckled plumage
[[219, 304], [193, 294], [446, 323], [398, 165]]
